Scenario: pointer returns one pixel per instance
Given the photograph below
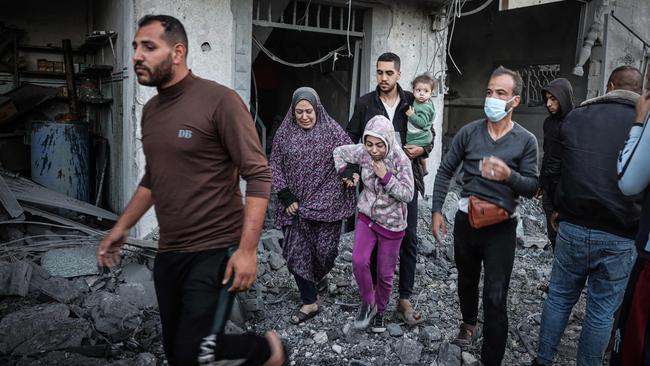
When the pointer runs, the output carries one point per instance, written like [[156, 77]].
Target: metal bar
[[16, 78], [270, 16], [295, 10], [282, 15], [307, 14], [603, 66], [330, 21], [264, 23], [354, 20], [318, 16], [630, 30], [341, 26], [354, 89], [8, 201], [69, 75], [258, 10]]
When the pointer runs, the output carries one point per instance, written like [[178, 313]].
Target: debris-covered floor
[[56, 309]]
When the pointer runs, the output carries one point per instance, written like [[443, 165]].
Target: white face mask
[[495, 109]]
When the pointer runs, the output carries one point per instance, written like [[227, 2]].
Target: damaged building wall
[[208, 21], [408, 30], [616, 45], [519, 39]]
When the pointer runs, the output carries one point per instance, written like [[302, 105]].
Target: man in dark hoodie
[[391, 101], [558, 97], [597, 222]]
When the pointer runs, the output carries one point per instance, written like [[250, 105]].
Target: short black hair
[[519, 82], [627, 77], [174, 30], [390, 57], [424, 79]]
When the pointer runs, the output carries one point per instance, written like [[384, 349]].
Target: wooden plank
[[27, 191], [144, 244], [8, 201]]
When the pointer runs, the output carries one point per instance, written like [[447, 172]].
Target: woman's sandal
[[409, 315], [301, 317]]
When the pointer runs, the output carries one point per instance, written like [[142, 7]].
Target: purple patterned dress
[[302, 161]]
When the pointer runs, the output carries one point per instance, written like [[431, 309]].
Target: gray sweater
[[518, 149]]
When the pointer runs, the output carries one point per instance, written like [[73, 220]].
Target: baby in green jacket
[[421, 115]]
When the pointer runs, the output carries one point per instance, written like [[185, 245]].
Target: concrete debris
[[141, 295], [120, 307], [22, 325], [63, 290], [409, 351], [394, 330], [449, 354], [136, 273], [469, 359], [112, 315], [71, 262], [56, 336], [14, 278]]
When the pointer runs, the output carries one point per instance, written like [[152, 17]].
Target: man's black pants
[[188, 286], [494, 248], [547, 204]]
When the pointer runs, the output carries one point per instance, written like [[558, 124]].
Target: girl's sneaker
[[378, 324], [365, 315]]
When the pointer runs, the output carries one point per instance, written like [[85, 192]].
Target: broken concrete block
[[409, 351], [39, 277], [141, 295], [112, 315], [71, 262], [426, 247], [61, 335], [24, 324], [539, 242], [276, 261], [271, 241], [63, 290], [136, 273], [14, 278], [449, 354], [59, 358]]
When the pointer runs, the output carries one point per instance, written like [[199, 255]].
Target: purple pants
[[368, 235]]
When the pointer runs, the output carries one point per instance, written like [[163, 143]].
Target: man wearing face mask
[[499, 160], [597, 223]]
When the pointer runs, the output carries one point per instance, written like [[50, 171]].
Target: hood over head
[[379, 126], [562, 90]]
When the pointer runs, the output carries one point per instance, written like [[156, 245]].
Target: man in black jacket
[[558, 97], [595, 242], [391, 101]]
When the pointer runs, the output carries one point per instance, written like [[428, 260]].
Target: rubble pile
[[57, 309]]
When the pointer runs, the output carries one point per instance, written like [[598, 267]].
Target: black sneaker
[[378, 325], [365, 315]]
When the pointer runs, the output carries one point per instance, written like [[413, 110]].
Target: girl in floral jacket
[[388, 186]]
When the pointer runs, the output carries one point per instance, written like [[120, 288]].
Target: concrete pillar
[[407, 30]]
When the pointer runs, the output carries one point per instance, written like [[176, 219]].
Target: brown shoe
[[467, 334]]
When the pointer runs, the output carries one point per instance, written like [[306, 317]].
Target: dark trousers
[[494, 248], [308, 290], [547, 204], [408, 251], [191, 301]]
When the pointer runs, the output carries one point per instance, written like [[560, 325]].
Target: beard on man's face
[[158, 75]]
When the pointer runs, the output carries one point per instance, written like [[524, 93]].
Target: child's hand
[[410, 111], [379, 168]]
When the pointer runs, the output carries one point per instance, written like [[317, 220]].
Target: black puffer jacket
[[562, 91], [587, 193]]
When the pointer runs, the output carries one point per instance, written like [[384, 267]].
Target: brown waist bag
[[483, 213]]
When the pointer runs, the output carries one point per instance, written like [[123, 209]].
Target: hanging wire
[[348, 31], [334, 53]]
